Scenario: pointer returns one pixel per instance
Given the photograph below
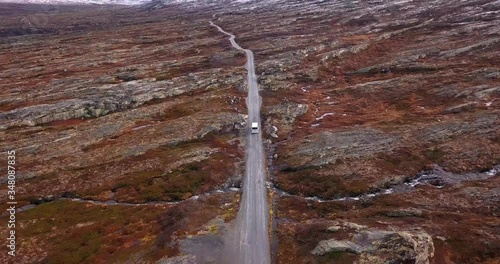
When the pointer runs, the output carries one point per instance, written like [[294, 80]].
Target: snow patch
[[324, 115], [81, 2]]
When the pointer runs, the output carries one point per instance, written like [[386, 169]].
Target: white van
[[255, 128]]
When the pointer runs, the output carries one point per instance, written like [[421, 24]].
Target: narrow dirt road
[[251, 236]]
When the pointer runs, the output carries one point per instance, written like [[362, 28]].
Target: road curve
[[251, 236]]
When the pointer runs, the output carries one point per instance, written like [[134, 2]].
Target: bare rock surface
[[382, 121], [383, 246], [178, 260]]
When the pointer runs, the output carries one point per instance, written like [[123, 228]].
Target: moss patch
[[87, 233], [310, 182], [337, 257]]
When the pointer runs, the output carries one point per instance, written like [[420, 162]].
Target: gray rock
[[403, 247], [460, 108], [101, 101], [481, 45], [441, 238], [495, 91], [332, 245], [375, 246], [485, 126], [49, 198], [127, 76], [354, 226], [272, 131], [326, 147], [333, 229], [485, 74], [288, 111], [188, 259]]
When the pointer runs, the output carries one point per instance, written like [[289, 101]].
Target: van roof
[[255, 124]]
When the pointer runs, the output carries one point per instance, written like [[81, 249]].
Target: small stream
[[115, 202], [436, 177]]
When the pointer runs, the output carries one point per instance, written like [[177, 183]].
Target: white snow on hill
[[138, 2], [68, 2]]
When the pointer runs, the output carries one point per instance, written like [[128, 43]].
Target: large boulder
[[332, 245], [375, 246]]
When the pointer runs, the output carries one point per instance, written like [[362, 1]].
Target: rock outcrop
[[374, 246]]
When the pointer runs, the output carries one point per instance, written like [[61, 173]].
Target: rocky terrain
[[381, 119]]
